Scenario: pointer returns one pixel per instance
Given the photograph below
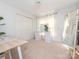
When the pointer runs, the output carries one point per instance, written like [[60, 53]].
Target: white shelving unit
[[76, 40], [72, 29], [77, 30]]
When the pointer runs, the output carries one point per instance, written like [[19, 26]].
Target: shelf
[[77, 30]]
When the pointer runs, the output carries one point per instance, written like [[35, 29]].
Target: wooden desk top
[[11, 44]]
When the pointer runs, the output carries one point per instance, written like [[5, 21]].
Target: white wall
[[17, 25]]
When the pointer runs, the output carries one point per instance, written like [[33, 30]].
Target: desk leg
[[7, 55], [14, 53], [20, 52]]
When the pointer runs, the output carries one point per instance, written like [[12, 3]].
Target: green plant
[[2, 33], [1, 18], [46, 28]]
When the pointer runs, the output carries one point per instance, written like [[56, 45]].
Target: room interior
[[39, 29]]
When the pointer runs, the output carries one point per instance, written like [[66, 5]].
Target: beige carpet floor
[[38, 49]]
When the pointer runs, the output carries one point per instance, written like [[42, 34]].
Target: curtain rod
[[23, 16]]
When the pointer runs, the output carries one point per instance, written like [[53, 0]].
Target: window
[[46, 21]]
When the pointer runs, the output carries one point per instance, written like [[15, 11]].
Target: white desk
[[10, 44]]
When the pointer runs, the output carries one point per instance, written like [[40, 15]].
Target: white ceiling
[[45, 6]]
